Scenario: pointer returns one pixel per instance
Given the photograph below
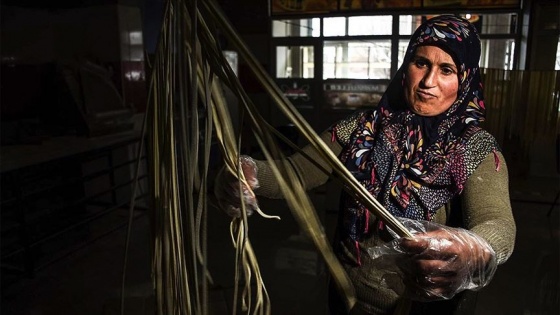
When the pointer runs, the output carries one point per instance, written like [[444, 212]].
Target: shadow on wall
[[522, 113]]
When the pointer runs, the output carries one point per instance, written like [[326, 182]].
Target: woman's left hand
[[443, 261]]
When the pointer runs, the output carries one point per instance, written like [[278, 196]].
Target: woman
[[422, 155]]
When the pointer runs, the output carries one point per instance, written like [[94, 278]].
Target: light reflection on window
[[335, 26]]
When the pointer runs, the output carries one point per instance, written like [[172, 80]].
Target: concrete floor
[[88, 281]]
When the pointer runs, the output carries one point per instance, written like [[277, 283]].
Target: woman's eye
[[420, 63], [447, 71]]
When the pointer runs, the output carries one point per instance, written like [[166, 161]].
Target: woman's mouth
[[425, 95]]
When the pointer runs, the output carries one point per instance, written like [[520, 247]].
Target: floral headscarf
[[414, 164]]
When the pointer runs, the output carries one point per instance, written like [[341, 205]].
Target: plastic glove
[[440, 261], [226, 188]]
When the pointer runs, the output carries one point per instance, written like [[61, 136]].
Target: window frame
[[318, 83]]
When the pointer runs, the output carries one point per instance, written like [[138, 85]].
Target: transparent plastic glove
[[439, 261], [226, 188]]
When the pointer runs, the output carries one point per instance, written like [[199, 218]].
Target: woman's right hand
[[227, 188], [445, 261]]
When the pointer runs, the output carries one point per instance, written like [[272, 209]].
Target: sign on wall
[[299, 92], [352, 94]]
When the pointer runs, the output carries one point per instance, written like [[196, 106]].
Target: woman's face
[[431, 81]]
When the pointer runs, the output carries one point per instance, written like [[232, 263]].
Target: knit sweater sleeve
[[487, 208], [310, 175]]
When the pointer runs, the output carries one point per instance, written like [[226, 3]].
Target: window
[[358, 25], [409, 23], [370, 25], [494, 23], [370, 58], [334, 26], [497, 53], [357, 59], [294, 62], [557, 64], [403, 45], [296, 28]]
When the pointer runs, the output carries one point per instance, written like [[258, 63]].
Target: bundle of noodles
[[186, 105], [178, 167]]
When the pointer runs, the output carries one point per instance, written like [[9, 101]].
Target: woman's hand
[[227, 188], [443, 261]]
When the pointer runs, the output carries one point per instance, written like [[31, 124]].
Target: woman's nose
[[430, 78]]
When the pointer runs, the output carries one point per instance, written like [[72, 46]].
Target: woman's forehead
[[434, 52]]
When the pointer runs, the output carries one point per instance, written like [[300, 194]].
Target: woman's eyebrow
[[450, 65], [420, 57]]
